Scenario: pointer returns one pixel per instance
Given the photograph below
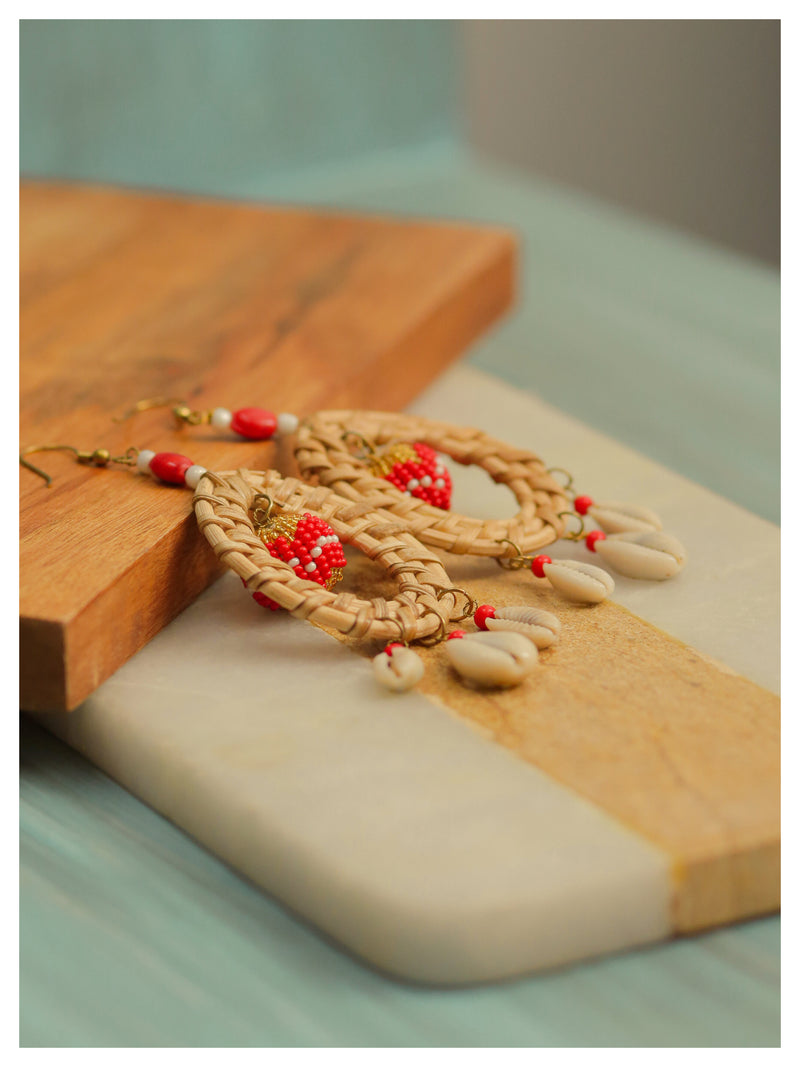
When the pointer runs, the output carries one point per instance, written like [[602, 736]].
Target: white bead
[[315, 553], [322, 541], [193, 475], [426, 481], [143, 461], [311, 567], [221, 418], [439, 483], [412, 483], [287, 423], [294, 562]]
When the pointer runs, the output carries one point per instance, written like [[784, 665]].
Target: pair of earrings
[[391, 500]]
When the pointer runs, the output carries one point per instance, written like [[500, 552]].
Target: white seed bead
[[426, 481], [143, 461], [221, 418], [193, 475], [439, 483], [287, 423], [315, 553], [294, 562], [322, 541], [413, 483], [311, 567]]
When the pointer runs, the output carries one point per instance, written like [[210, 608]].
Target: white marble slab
[[387, 822]]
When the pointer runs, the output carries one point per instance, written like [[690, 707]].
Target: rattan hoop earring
[[324, 455], [630, 538], [284, 539]]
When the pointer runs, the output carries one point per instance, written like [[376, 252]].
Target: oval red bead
[[538, 564], [582, 504], [254, 423], [484, 612], [171, 467]]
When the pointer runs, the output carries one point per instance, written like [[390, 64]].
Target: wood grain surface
[[126, 295], [678, 748]]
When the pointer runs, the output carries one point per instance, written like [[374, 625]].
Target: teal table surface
[[132, 935]]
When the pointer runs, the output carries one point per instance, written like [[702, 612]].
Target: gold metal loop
[[261, 516], [575, 535], [512, 563], [471, 603], [401, 630], [568, 485], [438, 635], [361, 440]]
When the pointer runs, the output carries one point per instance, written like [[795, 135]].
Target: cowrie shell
[[624, 518], [538, 626], [579, 581], [492, 660], [653, 556], [399, 672]]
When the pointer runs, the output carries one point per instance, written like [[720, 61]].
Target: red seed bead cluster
[[538, 564], [592, 539], [314, 552], [484, 612], [425, 477]]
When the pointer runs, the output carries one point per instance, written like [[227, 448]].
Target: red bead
[[171, 467], [484, 612], [582, 504], [254, 423], [538, 565], [391, 647], [456, 634], [592, 539]]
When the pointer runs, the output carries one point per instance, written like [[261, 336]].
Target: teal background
[[221, 106], [131, 934]]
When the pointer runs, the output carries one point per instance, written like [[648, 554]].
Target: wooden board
[[126, 295], [628, 791]]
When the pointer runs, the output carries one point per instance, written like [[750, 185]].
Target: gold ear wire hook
[[146, 405], [43, 448], [100, 457], [180, 409]]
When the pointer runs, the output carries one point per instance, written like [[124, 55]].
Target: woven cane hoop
[[223, 503], [323, 457]]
